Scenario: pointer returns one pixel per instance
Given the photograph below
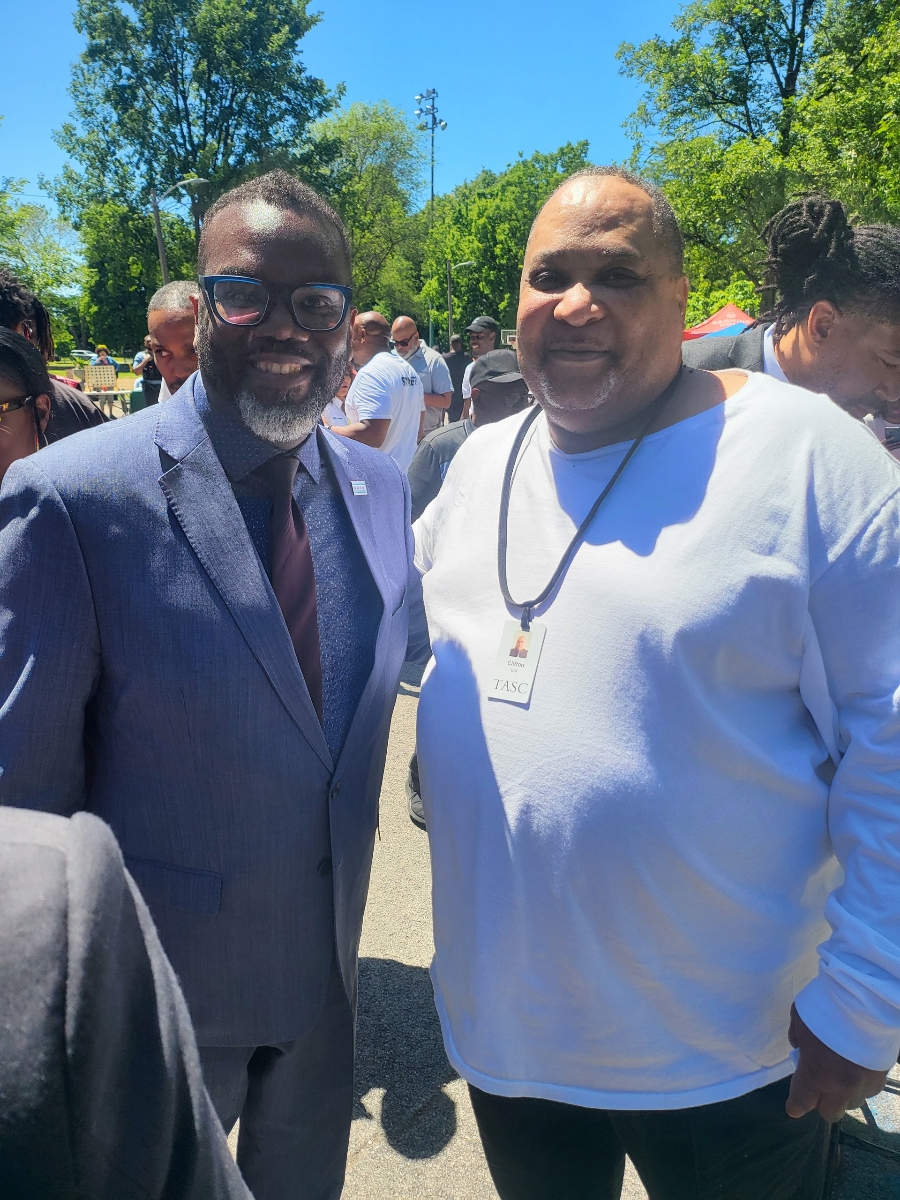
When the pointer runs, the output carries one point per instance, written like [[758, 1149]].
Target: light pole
[[155, 201], [469, 263], [427, 102]]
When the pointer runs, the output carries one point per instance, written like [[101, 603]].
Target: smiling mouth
[[271, 367]]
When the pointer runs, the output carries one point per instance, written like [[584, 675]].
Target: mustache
[[298, 349]]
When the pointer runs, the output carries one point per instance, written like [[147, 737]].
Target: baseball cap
[[497, 366], [483, 325]]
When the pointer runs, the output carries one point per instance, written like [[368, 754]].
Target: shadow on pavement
[[399, 1049]]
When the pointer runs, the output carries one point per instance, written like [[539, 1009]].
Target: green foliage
[[122, 269], [44, 252], [705, 300], [849, 119], [488, 221], [374, 173], [169, 89], [720, 101]]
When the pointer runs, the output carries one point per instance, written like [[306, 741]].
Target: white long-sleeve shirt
[[633, 872]]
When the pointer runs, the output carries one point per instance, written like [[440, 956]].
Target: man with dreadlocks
[[835, 325], [23, 313]]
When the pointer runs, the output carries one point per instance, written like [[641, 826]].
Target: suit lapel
[[360, 510], [203, 503]]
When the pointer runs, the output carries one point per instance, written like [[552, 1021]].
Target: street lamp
[[427, 102], [155, 201], [469, 263]]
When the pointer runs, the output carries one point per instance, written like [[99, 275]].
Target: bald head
[[370, 335], [405, 333], [663, 222], [601, 305]]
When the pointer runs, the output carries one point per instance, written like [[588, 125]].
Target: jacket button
[[324, 867], [335, 791]]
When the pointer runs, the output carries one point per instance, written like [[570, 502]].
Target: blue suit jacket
[[147, 675]]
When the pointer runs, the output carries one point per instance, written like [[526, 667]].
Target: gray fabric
[[101, 1096], [433, 457], [295, 1103], [743, 352], [147, 674]]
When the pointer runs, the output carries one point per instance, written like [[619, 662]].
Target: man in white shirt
[[482, 339], [429, 366], [387, 394], [642, 832]]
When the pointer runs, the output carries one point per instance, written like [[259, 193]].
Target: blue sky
[[511, 76]]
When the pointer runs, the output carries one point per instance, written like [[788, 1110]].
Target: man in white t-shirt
[[666, 844], [482, 339], [386, 394], [429, 366]]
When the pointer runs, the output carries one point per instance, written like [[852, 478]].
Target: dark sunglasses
[[237, 300], [8, 406], [403, 342]]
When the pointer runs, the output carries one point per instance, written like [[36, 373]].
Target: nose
[[280, 324], [576, 306]]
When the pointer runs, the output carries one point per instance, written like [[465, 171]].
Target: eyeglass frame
[[208, 283], [8, 406], [403, 342]]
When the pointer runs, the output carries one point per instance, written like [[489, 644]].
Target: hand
[[824, 1080]]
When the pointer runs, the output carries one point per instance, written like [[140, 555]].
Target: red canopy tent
[[729, 319]]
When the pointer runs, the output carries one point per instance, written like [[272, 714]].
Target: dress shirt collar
[[238, 450], [771, 365]]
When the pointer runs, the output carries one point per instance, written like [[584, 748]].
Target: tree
[[849, 118], [45, 253], [168, 89], [122, 269], [719, 115], [372, 176], [487, 222]]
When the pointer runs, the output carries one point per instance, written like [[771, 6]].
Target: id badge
[[517, 662]]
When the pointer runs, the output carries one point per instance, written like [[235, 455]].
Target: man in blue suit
[[202, 621]]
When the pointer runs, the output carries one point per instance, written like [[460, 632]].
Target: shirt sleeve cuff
[[844, 1027]]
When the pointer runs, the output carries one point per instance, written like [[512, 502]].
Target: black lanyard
[[656, 408]]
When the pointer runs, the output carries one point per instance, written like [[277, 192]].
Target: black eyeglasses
[[8, 406], [237, 300], [403, 342]]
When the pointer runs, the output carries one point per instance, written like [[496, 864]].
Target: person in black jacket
[[835, 326], [101, 1095], [23, 313]]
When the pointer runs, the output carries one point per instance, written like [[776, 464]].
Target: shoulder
[[744, 350], [446, 438], [801, 443]]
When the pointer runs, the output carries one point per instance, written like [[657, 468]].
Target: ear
[[821, 320], [683, 289], [42, 407], [195, 305]]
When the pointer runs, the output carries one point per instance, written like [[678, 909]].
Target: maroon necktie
[[291, 572]]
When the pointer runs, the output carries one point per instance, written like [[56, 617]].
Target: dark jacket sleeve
[[101, 1096], [49, 646]]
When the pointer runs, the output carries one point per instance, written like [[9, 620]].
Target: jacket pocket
[[186, 888]]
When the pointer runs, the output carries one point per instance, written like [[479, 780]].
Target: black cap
[[497, 366], [483, 325]]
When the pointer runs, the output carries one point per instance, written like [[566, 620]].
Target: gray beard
[[283, 423]]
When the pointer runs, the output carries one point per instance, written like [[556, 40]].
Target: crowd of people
[[654, 584]]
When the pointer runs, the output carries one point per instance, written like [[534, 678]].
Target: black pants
[[743, 1149]]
